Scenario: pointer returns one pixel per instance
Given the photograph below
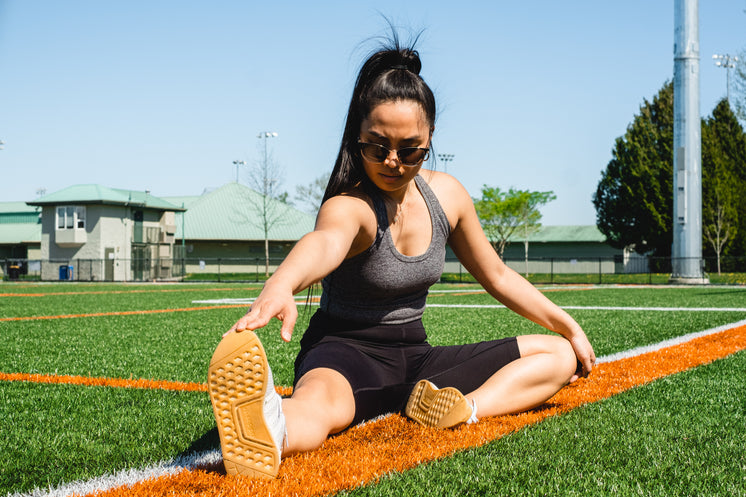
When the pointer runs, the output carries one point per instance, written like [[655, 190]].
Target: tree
[[633, 200], [266, 177], [310, 196], [723, 181], [503, 213]]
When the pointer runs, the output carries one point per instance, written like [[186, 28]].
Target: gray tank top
[[381, 285]]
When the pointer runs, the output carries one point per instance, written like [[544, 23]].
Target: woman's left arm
[[475, 252]]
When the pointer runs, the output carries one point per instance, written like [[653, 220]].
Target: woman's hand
[[584, 352], [273, 302]]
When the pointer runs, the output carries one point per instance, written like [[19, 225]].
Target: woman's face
[[395, 125]]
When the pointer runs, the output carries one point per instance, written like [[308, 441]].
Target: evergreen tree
[[633, 201], [723, 183]]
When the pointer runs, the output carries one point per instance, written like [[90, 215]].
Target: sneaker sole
[[438, 408], [237, 386]]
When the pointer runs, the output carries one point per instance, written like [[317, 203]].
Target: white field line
[[302, 301], [207, 458], [668, 343], [129, 476], [601, 308]]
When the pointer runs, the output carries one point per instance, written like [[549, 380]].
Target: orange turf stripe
[[122, 313], [364, 453], [116, 382], [105, 382]]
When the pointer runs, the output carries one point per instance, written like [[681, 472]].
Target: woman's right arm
[[342, 227]]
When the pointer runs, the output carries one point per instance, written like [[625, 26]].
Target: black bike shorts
[[382, 363]]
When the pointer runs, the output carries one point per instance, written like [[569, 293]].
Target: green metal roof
[[560, 234], [14, 233], [18, 213], [97, 194], [232, 212], [184, 201], [16, 208]]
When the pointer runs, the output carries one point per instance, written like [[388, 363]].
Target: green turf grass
[[61, 433], [131, 428], [681, 435]]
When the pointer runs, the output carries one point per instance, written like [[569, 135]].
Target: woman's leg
[[256, 427], [322, 403], [546, 365]]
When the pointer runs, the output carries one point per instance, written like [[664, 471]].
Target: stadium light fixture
[[727, 62], [238, 163], [446, 158]]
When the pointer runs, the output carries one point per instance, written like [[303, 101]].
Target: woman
[[378, 244]]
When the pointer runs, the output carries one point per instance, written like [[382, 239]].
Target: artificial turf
[[681, 435], [59, 433]]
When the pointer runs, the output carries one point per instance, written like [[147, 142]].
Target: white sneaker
[[247, 408]]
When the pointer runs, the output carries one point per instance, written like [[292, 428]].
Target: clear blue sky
[[164, 95]]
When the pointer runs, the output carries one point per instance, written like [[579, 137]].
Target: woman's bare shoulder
[[350, 213], [354, 199], [449, 191]]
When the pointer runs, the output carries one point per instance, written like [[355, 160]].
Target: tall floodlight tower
[[687, 148]]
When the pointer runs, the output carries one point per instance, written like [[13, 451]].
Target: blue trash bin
[[66, 273]]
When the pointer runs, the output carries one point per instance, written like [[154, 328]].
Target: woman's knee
[[328, 394], [558, 348]]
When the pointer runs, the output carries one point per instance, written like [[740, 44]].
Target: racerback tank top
[[381, 285]]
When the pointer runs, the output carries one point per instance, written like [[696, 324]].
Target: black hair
[[390, 74]]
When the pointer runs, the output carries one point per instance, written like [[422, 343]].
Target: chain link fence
[[554, 270]]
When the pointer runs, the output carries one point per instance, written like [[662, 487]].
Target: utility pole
[[686, 254], [266, 182]]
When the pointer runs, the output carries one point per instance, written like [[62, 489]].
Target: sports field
[[102, 388]]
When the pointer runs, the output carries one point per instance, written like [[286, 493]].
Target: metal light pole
[[686, 253], [265, 194], [446, 158], [238, 163], [728, 62]]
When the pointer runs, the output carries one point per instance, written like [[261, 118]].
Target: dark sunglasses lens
[[373, 152], [411, 156]]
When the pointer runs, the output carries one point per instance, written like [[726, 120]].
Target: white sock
[[473, 419], [273, 414]]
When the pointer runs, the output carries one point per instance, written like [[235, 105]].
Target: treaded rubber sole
[[237, 384], [438, 408]]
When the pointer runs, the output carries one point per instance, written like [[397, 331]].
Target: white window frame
[[70, 217]]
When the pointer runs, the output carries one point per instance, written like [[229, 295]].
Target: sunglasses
[[408, 156]]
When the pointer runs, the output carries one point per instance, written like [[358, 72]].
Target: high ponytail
[[388, 75]]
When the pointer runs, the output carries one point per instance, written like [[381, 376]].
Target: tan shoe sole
[[439, 408], [236, 382]]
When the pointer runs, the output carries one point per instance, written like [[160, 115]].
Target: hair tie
[[399, 66]]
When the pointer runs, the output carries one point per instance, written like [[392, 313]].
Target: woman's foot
[[438, 408], [247, 409]]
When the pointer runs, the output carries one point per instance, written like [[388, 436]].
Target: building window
[[70, 217], [80, 215]]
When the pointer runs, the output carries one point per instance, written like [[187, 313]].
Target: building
[[564, 249], [20, 237], [223, 230], [95, 233]]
